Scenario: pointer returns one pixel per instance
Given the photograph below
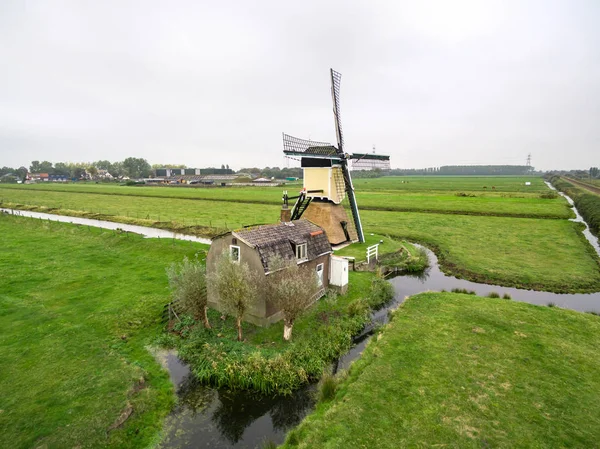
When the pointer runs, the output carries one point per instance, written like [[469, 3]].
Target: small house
[[259, 246]]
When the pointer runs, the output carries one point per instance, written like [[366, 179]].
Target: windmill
[[327, 180]]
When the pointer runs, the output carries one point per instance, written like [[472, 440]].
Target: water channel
[[207, 417]]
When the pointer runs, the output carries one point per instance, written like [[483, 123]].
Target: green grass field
[[543, 254], [547, 254], [467, 372], [509, 199], [77, 307]]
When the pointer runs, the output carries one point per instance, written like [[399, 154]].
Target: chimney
[[286, 214]]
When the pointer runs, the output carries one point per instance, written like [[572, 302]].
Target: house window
[[320, 275], [301, 251], [234, 252]]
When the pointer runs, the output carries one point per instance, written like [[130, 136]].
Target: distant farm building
[[204, 176]]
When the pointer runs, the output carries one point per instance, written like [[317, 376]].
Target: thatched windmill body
[[327, 180]]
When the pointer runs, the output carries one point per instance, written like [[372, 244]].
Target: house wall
[[273, 313], [263, 312], [248, 255]]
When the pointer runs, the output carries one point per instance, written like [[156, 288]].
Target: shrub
[[549, 195], [187, 281], [236, 286], [493, 295], [358, 307], [269, 444], [551, 304], [588, 206], [381, 292], [327, 388], [506, 296]]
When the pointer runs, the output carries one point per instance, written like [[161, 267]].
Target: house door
[[320, 274]]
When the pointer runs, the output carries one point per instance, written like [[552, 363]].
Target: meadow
[[454, 370], [456, 195], [509, 249], [77, 307]]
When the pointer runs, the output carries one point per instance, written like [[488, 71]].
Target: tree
[[594, 172], [291, 287], [40, 167], [137, 167], [117, 170], [93, 171], [60, 168], [103, 165], [236, 287], [188, 285]]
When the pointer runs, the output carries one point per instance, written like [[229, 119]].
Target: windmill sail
[[335, 95]]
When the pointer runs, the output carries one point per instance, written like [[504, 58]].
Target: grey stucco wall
[[262, 313]]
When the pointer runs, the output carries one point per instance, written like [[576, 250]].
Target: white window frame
[[301, 251], [239, 253], [320, 274]]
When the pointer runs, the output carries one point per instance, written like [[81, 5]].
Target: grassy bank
[[264, 362], [78, 306], [588, 204], [461, 371], [550, 255]]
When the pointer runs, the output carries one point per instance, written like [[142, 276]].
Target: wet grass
[[455, 370], [77, 307]]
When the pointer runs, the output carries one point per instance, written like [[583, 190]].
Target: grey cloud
[[205, 83]]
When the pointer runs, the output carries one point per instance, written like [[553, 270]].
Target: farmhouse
[[259, 247]]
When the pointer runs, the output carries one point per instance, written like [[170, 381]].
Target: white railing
[[373, 251]]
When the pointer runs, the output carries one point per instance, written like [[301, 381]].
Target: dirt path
[[583, 185]]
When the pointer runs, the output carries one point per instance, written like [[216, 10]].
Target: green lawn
[[509, 198], [467, 372], [359, 250], [77, 307], [544, 254], [534, 253], [453, 183]]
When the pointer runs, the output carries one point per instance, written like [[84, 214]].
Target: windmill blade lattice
[[302, 147], [336, 79]]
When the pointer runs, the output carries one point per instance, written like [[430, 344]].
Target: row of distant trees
[[273, 172], [592, 173], [464, 170], [131, 167]]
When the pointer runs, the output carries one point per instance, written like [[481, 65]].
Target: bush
[[358, 308], [327, 388], [216, 358], [588, 206], [506, 296], [187, 281], [549, 195], [381, 293], [493, 295]]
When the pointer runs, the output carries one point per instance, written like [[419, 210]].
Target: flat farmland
[[483, 238], [454, 183], [450, 195], [77, 307], [520, 252]]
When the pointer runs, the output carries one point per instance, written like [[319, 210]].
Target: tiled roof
[[279, 240]]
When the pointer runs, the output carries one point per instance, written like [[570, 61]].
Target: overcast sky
[[206, 83]]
